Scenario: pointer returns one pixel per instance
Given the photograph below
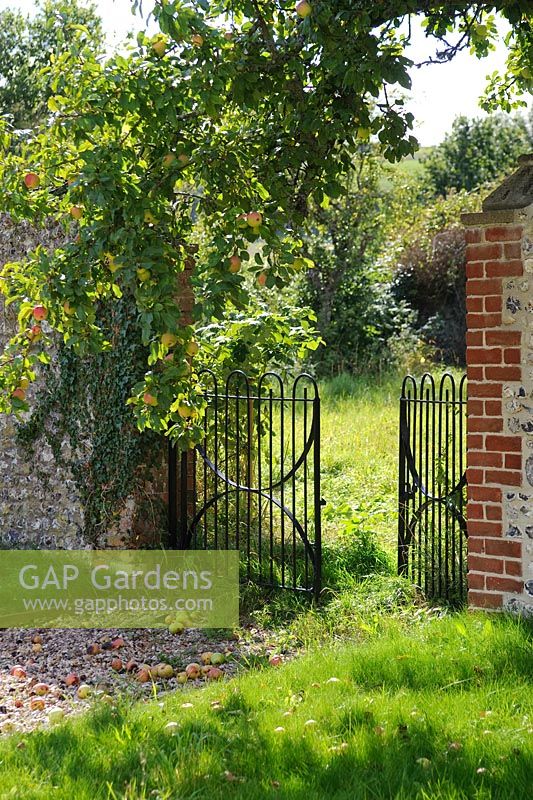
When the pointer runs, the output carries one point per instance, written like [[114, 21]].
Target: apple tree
[[234, 117]]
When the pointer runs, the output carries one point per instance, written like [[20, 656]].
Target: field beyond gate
[[432, 533], [253, 484]]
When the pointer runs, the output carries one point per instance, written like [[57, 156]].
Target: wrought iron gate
[[432, 533], [253, 484]]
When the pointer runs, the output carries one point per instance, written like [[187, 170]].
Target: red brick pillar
[[500, 392]]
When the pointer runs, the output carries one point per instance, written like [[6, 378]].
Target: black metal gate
[[432, 534], [253, 484]]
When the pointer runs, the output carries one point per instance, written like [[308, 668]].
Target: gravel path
[[46, 675]]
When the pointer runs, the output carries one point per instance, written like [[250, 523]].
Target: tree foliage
[[477, 151], [238, 114], [26, 46]]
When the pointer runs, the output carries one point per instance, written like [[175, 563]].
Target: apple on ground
[[131, 665], [166, 671], [171, 728], [40, 313], [31, 180], [116, 664], [217, 659], [193, 671], [83, 691], [94, 649], [37, 704], [214, 674], [206, 658], [41, 689], [56, 715], [18, 672], [205, 669], [143, 674], [37, 648], [175, 627], [72, 679], [275, 661], [118, 642], [182, 677]]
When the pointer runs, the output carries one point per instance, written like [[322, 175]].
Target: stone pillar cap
[[516, 191]]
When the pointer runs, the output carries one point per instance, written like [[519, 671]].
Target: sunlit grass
[[442, 712]]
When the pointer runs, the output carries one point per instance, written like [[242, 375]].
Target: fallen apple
[[37, 648], [171, 728], [205, 669], [275, 661], [72, 679], [131, 665], [217, 659], [193, 671], [37, 704], [206, 658], [175, 627], [214, 674], [37, 638], [94, 649], [116, 664], [31, 180], [182, 677], [18, 672], [143, 674], [41, 689], [117, 643], [39, 313], [56, 715], [83, 691], [149, 399], [165, 671]]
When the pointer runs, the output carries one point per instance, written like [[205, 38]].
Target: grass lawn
[[442, 710]]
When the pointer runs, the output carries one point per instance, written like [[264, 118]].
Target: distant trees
[[477, 151], [26, 47]]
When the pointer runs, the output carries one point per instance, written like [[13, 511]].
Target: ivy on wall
[[80, 411]]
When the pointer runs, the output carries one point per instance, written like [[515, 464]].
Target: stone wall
[[38, 502], [500, 402], [39, 505]]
